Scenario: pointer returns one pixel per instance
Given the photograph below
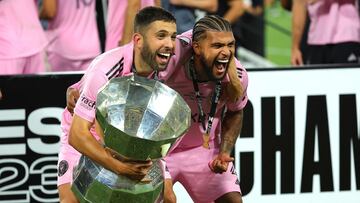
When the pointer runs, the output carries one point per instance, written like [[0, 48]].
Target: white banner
[[300, 139]]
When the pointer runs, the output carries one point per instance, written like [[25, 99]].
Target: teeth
[[223, 60], [164, 54]]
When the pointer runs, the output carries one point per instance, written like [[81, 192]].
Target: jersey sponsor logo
[[87, 103], [63, 167]]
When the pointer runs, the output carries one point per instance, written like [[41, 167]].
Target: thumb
[[226, 158], [76, 94]]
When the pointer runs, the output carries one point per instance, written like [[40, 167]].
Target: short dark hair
[[209, 23], [150, 14]]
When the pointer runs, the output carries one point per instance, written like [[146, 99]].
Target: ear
[[196, 48], [138, 40]]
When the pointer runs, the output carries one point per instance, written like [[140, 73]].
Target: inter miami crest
[[63, 167]]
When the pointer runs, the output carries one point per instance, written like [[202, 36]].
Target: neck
[[142, 68], [201, 75]]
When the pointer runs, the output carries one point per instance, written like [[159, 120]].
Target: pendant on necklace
[[206, 138]]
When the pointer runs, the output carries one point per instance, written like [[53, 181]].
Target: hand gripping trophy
[[140, 119]]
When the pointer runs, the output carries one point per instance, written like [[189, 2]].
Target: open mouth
[[163, 58], [220, 66]]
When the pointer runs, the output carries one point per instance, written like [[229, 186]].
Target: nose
[[226, 51], [169, 43]]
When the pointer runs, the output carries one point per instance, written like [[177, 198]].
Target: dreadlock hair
[[209, 23], [150, 14], [234, 90]]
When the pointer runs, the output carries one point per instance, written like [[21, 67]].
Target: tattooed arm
[[231, 128]]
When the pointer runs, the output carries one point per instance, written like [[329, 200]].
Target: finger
[[211, 166], [214, 166], [71, 105], [223, 167], [218, 167], [228, 159], [145, 180], [76, 95], [136, 177], [70, 109], [142, 166], [140, 161]]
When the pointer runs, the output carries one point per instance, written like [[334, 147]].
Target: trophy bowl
[[140, 119]]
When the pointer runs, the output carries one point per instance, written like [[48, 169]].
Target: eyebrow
[[164, 31], [223, 44]]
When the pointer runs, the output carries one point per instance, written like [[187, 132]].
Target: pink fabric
[[165, 170], [73, 32], [116, 21], [21, 32], [116, 62], [68, 156], [189, 159], [178, 79], [24, 65], [333, 21], [190, 167], [59, 63], [67, 160]]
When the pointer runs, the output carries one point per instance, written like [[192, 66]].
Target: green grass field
[[278, 35]]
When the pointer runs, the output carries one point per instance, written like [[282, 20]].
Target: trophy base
[[99, 193], [92, 183]]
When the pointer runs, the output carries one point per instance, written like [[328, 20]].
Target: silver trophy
[[141, 119]]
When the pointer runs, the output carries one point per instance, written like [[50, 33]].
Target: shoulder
[[241, 72], [185, 39], [183, 50], [113, 63]]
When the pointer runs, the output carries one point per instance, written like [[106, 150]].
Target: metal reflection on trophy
[[141, 119]]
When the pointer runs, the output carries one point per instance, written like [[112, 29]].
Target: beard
[[209, 67], [148, 56]]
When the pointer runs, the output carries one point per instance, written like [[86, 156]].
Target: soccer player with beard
[[201, 160], [207, 57], [147, 55]]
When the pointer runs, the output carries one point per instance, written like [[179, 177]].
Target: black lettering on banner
[[246, 164], [44, 169], [317, 121], [348, 135], [246, 172], [272, 143], [14, 174], [30, 136], [247, 130], [28, 172]]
